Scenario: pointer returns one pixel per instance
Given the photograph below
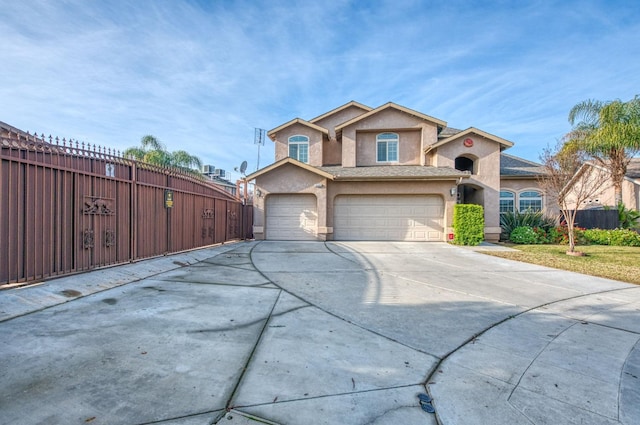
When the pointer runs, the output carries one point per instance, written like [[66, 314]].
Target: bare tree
[[570, 181]]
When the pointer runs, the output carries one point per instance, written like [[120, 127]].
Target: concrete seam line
[[192, 415], [346, 320], [258, 340], [622, 372], [111, 287], [478, 334], [395, 387]]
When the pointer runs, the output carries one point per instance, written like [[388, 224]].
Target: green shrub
[[628, 218], [524, 235], [509, 221], [616, 237], [468, 224]]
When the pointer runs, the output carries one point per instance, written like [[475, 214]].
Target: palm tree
[[610, 133], [152, 151]]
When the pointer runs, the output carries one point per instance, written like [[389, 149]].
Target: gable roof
[[391, 105], [292, 161], [272, 133], [341, 108], [513, 166], [472, 130]]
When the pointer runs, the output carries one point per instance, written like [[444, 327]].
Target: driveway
[[321, 333]]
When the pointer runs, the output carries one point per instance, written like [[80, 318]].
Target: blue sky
[[201, 75]]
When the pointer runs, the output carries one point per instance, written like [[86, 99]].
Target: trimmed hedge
[[468, 224], [558, 235], [616, 237]]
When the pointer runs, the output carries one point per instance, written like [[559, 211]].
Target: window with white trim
[[530, 200], [387, 147], [299, 148], [507, 202]]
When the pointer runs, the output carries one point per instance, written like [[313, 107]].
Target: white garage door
[[388, 218], [291, 217]]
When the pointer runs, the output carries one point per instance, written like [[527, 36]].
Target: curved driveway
[[323, 333]]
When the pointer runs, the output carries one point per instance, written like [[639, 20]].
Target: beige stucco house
[[605, 195], [389, 173]]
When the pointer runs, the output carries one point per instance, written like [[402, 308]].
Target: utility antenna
[[259, 140]]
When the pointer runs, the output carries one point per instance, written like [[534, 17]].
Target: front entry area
[[291, 217], [388, 218]]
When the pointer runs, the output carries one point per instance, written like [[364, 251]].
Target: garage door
[[291, 217], [388, 218]]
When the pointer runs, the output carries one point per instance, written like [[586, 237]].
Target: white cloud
[[201, 75]]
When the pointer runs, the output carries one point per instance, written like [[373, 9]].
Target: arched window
[[530, 200], [299, 148], [463, 163], [507, 201], [387, 147]]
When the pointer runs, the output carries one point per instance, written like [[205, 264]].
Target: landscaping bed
[[612, 262]]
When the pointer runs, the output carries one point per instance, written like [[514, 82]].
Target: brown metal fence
[[66, 207]]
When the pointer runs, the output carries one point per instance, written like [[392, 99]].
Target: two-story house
[[389, 173]]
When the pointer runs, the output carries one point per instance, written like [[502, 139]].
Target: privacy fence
[[66, 207]]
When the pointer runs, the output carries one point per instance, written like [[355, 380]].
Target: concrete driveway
[[321, 333]]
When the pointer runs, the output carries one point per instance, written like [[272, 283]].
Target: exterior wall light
[[453, 190]]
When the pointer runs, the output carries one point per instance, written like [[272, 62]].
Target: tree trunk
[[570, 216]]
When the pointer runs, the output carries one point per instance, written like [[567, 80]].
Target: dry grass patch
[[612, 262]]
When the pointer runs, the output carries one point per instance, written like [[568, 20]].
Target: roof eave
[[284, 161], [387, 105], [340, 108], [504, 144], [272, 133]]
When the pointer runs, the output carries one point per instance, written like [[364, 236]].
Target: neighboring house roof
[[272, 133], [391, 105], [471, 130], [379, 172], [633, 169], [513, 166], [340, 108], [11, 130]]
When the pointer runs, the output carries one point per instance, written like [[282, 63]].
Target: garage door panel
[[291, 217], [388, 217]]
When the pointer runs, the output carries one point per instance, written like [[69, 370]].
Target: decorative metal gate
[[68, 207]]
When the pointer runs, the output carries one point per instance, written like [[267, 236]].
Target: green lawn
[[613, 262]]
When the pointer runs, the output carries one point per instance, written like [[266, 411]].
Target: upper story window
[[299, 148], [387, 147], [530, 200], [463, 163], [507, 202]]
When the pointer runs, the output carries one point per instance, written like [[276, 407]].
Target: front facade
[[605, 196], [389, 173]]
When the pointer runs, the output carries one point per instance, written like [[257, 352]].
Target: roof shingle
[[513, 166]]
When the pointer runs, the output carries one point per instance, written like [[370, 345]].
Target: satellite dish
[[243, 167]]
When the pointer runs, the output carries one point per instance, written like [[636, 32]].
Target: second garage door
[[291, 217], [388, 218]]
